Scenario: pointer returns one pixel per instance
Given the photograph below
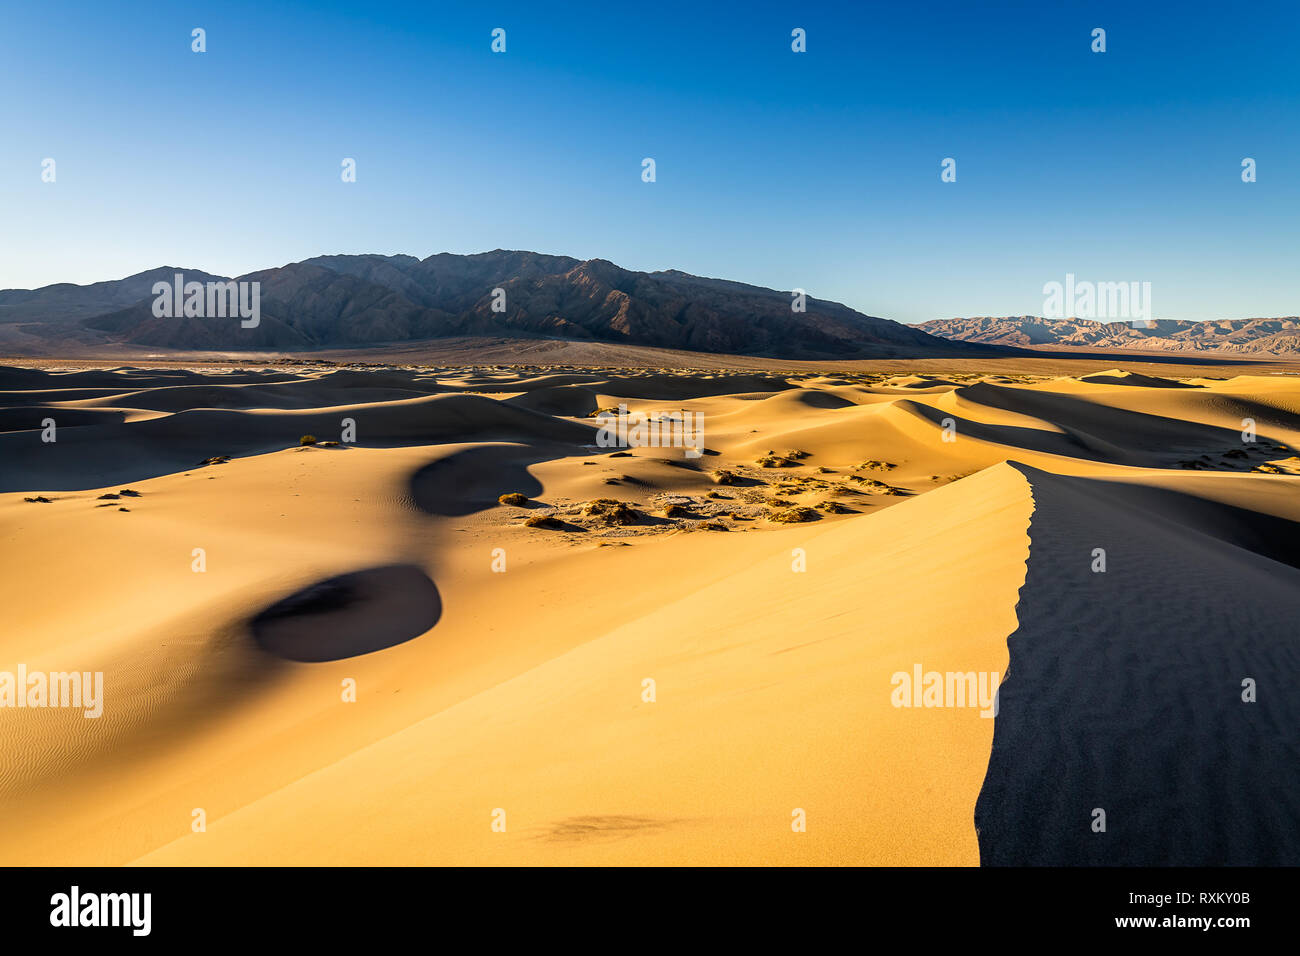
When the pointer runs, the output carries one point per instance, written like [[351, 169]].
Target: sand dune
[[1125, 687], [875, 524]]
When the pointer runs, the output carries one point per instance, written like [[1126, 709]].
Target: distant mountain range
[[1270, 336], [370, 300]]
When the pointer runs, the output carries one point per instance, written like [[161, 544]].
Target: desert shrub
[[792, 515], [542, 521], [876, 487], [610, 512], [513, 498], [307, 440]]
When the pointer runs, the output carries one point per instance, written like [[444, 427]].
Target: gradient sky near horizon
[[818, 170]]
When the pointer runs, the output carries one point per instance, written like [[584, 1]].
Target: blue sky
[[817, 170]]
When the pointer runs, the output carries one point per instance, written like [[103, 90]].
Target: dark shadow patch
[[349, 615], [1131, 438], [571, 400], [1123, 689], [814, 398], [1135, 380], [472, 480]]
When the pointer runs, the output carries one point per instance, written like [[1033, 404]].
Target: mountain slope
[[1278, 336], [64, 302], [363, 300]]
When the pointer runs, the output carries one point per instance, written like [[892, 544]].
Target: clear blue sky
[[817, 170]]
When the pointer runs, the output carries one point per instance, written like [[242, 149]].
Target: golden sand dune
[[349, 651]]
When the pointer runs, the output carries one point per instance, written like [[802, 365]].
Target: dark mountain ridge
[[342, 301]]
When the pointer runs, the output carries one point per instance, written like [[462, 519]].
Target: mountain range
[[1280, 336], [351, 301]]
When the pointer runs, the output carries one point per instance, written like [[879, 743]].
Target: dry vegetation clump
[[873, 465], [676, 511], [514, 498], [792, 515], [834, 508], [713, 526], [876, 487], [307, 440], [796, 455], [724, 477], [799, 484], [215, 460], [772, 460], [543, 521], [610, 512]]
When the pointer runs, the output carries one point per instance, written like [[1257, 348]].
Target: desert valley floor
[[651, 658]]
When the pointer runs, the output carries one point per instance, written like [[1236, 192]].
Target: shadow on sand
[[350, 614]]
